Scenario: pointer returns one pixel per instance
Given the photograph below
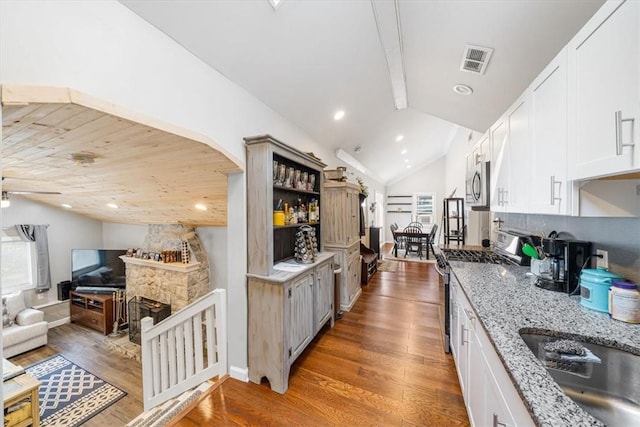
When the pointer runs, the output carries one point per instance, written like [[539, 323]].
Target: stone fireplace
[[176, 284]]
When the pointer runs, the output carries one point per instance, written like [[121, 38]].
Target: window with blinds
[[424, 207]]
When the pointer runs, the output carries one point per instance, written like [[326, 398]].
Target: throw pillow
[[6, 320], [14, 304]]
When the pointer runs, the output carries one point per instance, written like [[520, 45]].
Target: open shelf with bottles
[[277, 175]]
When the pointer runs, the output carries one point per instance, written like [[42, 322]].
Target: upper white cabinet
[[519, 154], [510, 159], [604, 93], [549, 192], [499, 165]]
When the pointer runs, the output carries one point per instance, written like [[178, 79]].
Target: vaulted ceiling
[[312, 57]]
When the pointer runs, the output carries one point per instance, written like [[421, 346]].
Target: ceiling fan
[[6, 202]]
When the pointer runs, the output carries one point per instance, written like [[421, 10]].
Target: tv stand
[[94, 311]]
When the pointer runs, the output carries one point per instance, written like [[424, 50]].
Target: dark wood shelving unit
[[453, 218]]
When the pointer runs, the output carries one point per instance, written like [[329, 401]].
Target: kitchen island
[[507, 302]]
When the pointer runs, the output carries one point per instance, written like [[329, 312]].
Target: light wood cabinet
[[341, 231], [267, 243], [286, 308], [604, 88], [300, 300], [323, 295]]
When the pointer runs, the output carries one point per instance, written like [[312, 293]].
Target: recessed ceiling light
[[338, 115], [200, 207], [404, 151], [276, 3], [461, 89], [408, 166], [66, 205], [399, 138], [406, 160], [112, 205]]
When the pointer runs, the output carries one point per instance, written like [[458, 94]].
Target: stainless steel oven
[[477, 185], [507, 251]]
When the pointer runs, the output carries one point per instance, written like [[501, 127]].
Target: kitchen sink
[[605, 382]]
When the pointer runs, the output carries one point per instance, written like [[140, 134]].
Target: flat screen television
[[97, 268]]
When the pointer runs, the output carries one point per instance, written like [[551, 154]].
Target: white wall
[[66, 231], [105, 50], [428, 179], [123, 236]]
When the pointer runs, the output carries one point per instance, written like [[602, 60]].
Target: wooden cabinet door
[[353, 279], [549, 189], [300, 315], [323, 294], [603, 76], [353, 209]]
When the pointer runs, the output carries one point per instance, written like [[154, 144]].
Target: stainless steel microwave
[[477, 185]]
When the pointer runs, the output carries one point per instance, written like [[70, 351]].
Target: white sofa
[[23, 328]]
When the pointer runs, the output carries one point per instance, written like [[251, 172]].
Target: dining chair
[[432, 239], [415, 224], [413, 244], [396, 240]]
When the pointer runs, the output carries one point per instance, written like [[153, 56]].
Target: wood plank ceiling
[[154, 172]]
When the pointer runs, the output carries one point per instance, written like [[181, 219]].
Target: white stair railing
[[184, 350]]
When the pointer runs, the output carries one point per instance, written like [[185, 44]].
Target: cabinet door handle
[[553, 190], [462, 340], [496, 421], [619, 143]]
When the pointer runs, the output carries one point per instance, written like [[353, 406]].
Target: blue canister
[[594, 288]]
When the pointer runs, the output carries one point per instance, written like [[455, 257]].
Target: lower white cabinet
[[285, 312], [489, 395]]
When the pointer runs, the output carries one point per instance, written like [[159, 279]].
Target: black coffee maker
[[566, 258]]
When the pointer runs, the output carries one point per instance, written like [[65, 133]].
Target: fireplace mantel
[[173, 266]]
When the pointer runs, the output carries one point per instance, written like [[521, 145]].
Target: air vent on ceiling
[[475, 58]]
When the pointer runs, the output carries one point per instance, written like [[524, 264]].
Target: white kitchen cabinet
[[604, 92], [485, 148], [489, 395], [549, 191], [519, 155], [499, 165]]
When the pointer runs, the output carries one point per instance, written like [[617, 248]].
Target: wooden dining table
[[423, 235]]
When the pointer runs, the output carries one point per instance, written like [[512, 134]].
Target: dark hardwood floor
[[382, 364]]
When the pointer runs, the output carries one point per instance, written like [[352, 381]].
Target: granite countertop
[[507, 301]]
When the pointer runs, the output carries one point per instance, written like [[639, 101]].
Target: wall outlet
[[604, 261]]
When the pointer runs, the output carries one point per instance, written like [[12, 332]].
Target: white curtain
[[38, 235]]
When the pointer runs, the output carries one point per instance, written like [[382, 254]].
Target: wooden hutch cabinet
[[288, 302], [341, 234]]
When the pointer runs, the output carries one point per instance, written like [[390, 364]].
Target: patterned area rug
[[69, 395]]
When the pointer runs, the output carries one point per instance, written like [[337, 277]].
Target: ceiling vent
[[475, 58]]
